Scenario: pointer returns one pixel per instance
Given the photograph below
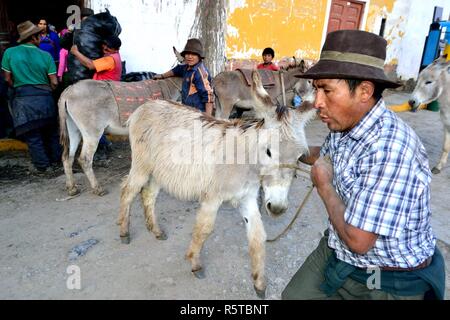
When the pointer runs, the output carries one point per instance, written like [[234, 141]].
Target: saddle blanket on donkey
[[130, 95], [267, 77]]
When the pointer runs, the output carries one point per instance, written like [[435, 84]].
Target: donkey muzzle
[[275, 209]]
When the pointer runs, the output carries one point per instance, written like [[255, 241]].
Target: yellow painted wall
[[290, 27], [378, 9]]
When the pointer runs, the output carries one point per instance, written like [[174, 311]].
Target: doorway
[[13, 12], [345, 15]]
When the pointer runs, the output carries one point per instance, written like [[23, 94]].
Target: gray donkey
[[434, 84], [90, 108], [195, 157]]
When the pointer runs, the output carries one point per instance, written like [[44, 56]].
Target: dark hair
[[113, 42], [47, 29], [354, 83], [269, 51]]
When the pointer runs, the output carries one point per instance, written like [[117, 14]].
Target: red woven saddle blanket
[[130, 95], [267, 77]]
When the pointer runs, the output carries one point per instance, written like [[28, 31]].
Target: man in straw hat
[[32, 74], [196, 90], [373, 177]]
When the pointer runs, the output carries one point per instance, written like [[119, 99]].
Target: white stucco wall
[[149, 30], [406, 30], [151, 27]]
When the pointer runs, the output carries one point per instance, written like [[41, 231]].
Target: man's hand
[[312, 155], [8, 78], [158, 77], [74, 49], [53, 81], [85, 61], [322, 173]]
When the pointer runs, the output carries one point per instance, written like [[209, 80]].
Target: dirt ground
[[42, 234]]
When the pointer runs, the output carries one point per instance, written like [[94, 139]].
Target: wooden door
[[3, 16], [345, 15], [4, 34]]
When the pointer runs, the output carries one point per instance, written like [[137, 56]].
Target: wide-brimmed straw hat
[[27, 29], [193, 46], [352, 54]]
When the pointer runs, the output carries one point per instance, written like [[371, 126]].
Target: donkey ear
[[441, 61], [259, 90], [177, 54], [302, 66], [263, 102]]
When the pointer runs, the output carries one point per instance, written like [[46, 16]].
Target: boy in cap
[[196, 90], [373, 177]]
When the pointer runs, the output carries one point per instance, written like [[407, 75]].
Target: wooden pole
[[283, 88]]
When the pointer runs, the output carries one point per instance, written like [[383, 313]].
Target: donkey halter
[[300, 208]]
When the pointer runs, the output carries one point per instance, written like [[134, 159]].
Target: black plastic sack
[[89, 39], [138, 76]]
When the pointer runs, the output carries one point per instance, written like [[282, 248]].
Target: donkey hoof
[[199, 274], [435, 170], [260, 293], [73, 191], [162, 236], [125, 239], [100, 192]]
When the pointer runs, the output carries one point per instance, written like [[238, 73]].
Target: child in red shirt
[[268, 54]]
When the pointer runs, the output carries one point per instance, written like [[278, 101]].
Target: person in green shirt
[[31, 73]]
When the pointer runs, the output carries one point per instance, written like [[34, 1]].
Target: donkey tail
[[218, 106], [63, 132]]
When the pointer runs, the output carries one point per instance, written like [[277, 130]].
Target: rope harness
[[308, 194]]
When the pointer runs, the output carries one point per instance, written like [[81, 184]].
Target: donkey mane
[[243, 124], [282, 115]]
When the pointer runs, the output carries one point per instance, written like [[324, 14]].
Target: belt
[[423, 265]]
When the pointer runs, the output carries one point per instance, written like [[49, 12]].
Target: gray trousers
[[305, 284]]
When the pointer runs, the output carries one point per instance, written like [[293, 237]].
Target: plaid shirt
[[381, 173]]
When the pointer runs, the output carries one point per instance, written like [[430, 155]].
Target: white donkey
[[90, 108], [434, 84], [162, 137]]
